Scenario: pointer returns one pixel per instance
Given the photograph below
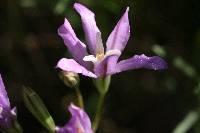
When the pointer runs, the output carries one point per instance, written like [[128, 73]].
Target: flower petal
[[79, 122], [101, 68], [120, 35], [81, 117], [4, 101], [140, 61], [118, 39], [74, 45], [92, 33], [72, 66]]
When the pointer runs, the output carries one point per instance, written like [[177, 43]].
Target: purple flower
[[7, 115], [99, 62], [79, 122]]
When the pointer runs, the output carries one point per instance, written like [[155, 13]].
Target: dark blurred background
[[139, 101]]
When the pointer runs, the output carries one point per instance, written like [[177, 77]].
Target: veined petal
[[92, 32], [4, 101], [120, 35], [72, 66], [74, 45], [79, 122], [140, 61]]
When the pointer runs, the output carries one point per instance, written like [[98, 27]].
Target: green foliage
[[36, 106]]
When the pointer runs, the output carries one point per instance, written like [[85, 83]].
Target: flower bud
[[36, 106], [70, 79]]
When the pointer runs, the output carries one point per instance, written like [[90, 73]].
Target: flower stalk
[[102, 84], [98, 113], [71, 80], [79, 97]]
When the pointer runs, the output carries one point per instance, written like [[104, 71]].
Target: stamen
[[112, 52], [100, 56], [91, 58]]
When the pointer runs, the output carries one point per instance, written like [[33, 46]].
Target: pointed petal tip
[[72, 105], [1, 78], [60, 33], [155, 62], [14, 112], [80, 8], [60, 62], [66, 22], [4, 100], [126, 12], [91, 30], [65, 19], [164, 64], [121, 33], [141, 61], [66, 28], [127, 9], [79, 5], [76, 4], [74, 110], [62, 29]]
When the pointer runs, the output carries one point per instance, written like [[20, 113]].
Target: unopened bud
[[36, 106], [70, 79]]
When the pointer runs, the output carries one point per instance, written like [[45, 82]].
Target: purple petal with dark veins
[[79, 122], [140, 61], [74, 45], [71, 65], [92, 32]]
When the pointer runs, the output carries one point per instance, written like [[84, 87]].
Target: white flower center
[[90, 58], [101, 56]]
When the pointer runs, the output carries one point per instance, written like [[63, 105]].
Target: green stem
[[98, 113], [187, 123], [79, 97]]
